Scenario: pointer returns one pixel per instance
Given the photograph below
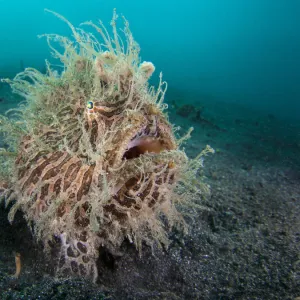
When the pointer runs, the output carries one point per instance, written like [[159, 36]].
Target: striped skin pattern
[[98, 162], [107, 179]]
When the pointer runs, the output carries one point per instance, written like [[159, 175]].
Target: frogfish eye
[[90, 105]]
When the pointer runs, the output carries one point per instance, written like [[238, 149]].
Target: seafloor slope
[[244, 244]]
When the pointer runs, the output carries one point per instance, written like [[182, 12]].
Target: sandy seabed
[[243, 244]]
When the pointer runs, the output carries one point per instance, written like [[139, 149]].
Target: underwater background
[[245, 52], [233, 73]]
